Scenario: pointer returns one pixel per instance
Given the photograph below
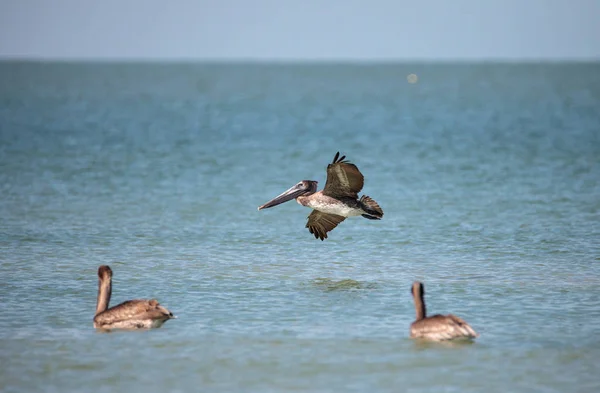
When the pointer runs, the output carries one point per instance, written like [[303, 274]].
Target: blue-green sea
[[488, 175]]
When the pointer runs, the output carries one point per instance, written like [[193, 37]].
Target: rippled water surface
[[489, 177]]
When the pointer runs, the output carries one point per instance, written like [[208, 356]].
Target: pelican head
[[417, 289], [305, 187], [104, 272]]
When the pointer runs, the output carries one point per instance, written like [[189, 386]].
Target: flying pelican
[[132, 314], [337, 201], [437, 327]]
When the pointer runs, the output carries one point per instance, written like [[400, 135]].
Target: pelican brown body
[[132, 314], [436, 327]]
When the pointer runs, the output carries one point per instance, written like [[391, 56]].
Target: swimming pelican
[[337, 201], [132, 314], [436, 327]]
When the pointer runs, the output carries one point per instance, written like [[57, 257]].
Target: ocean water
[[488, 174]]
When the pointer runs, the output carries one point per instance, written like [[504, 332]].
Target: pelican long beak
[[288, 195]]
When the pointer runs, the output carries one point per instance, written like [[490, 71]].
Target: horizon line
[[291, 60]]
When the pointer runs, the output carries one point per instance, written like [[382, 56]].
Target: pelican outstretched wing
[[320, 223], [343, 179]]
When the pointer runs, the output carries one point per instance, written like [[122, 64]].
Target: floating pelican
[[337, 201], [132, 314], [437, 327]]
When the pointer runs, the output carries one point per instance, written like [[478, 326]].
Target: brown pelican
[[437, 327], [338, 200], [132, 314]]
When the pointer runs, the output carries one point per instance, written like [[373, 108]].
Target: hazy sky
[[301, 29]]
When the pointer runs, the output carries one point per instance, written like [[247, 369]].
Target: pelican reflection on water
[[337, 201], [132, 314], [437, 327]]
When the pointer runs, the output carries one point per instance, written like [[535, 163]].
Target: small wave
[[346, 284]]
